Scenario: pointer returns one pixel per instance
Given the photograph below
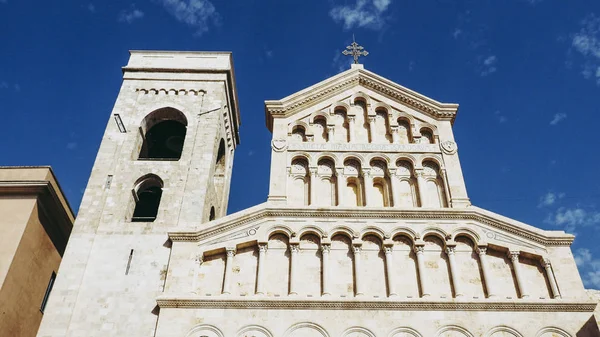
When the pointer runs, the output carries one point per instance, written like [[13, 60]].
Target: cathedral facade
[[367, 231]]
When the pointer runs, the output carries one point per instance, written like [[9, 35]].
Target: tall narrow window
[[48, 290], [163, 132], [147, 194], [212, 215], [220, 169]]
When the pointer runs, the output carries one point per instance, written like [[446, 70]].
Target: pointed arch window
[[163, 132], [147, 194]]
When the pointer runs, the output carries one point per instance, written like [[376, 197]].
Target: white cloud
[[489, 65], [457, 33], [340, 61], [198, 14], [3, 1], [71, 145], [91, 8], [130, 15], [589, 267], [363, 14], [571, 218], [3, 85], [557, 118], [549, 199], [587, 43], [500, 117]]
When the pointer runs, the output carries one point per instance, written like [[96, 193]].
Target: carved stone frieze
[[366, 147], [483, 305]]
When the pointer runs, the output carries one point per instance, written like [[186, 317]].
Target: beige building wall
[[34, 228]]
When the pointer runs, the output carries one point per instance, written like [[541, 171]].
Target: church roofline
[[266, 211], [356, 75]]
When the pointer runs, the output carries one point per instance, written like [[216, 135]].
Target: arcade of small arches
[[362, 122], [346, 264], [376, 184], [303, 329]]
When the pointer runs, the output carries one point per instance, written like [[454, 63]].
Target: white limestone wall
[[113, 268]]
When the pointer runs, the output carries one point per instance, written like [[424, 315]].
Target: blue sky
[[526, 74]]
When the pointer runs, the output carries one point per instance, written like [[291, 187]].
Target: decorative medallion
[[279, 145], [449, 147]]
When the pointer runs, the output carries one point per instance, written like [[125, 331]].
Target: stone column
[[351, 127], [313, 186], [373, 129], [395, 135], [260, 273], [228, 267], [294, 250], [325, 249], [368, 185], [389, 263], [514, 258], [421, 186], [487, 278], [340, 182], [420, 250], [454, 272], [394, 182], [330, 132], [357, 270], [550, 274]]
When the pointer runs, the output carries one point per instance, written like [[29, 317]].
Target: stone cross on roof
[[355, 50]]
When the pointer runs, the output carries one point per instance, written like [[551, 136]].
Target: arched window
[[435, 196], [341, 134], [298, 134], [380, 192], [353, 189], [427, 136], [382, 127], [407, 194], [363, 134], [326, 183], [299, 183], [163, 132], [147, 194], [320, 130], [404, 132]]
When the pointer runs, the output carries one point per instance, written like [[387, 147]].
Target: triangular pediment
[[357, 76]]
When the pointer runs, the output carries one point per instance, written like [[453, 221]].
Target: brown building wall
[[30, 200]]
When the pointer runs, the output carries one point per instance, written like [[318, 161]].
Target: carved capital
[[262, 248], [371, 119], [356, 250], [199, 258], [419, 173], [450, 250], [325, 249], [230, 252], [545, 262], [514, 256], [366, 173], [351, 119], [388, 249], [482, 250], [313, 171], [419, 249], [394, 129], [294, 249]]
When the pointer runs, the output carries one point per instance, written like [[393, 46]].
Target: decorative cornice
[[233, 221], [330, 87], [416, 305]]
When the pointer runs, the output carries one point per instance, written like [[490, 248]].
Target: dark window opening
[[147, 197], [48, 290], [212, 214], [164, 141], [220, 163]]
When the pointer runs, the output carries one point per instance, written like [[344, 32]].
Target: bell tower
[[164, 163]]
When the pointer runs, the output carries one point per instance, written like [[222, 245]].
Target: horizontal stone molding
[[234, 221], [417, 305], [394, 148]]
